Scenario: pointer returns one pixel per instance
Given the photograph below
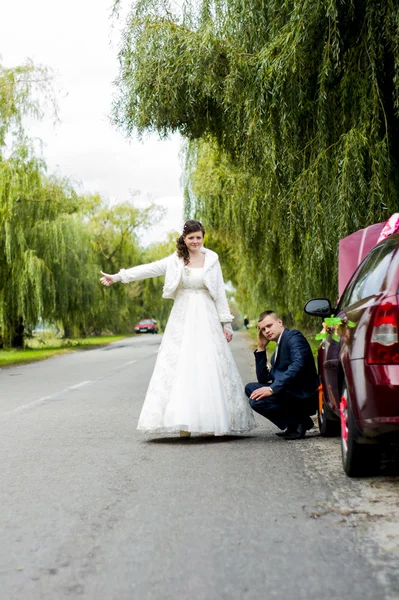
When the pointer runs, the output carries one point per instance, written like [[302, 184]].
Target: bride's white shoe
[[184, 434]]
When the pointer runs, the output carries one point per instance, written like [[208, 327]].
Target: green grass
[[46, 346]]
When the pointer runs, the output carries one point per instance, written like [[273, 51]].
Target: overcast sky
[[77, 41]]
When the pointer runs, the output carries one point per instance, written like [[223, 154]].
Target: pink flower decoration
[[390, 227]]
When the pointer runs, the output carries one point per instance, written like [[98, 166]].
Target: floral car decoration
[[334, 326]]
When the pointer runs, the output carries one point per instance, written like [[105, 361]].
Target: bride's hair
[[189, 227]]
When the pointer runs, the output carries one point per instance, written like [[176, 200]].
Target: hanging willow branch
[[291, 112]]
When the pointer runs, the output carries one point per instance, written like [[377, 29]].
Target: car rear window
[[145, 322], [371, 274]]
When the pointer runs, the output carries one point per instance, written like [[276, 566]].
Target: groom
[[287, 393]]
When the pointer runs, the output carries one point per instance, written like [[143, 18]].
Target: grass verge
[[40, 348]]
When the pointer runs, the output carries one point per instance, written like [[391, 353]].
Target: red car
[[146, 326], [359, 374]]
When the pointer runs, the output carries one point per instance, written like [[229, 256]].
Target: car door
[[331, 349], [331, 352]]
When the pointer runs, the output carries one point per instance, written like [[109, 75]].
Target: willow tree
[[43, 247], [27, 201], [291, 112], [46, 260], [115, 236], [53, 241]]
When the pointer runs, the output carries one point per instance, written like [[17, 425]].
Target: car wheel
[[358, 459], [329, 425]]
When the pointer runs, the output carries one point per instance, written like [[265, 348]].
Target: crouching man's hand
[[262, 341], [263, 392]]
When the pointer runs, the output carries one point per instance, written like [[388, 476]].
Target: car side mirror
[[318, 307]]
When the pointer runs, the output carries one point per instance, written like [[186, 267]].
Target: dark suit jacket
[[293, 371]]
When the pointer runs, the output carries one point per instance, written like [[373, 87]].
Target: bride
[[195, 386]]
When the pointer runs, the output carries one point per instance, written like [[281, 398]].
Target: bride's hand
[[106, 279], [228, 335]]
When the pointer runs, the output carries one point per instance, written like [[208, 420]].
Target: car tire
[[329, 425], [358, 459]]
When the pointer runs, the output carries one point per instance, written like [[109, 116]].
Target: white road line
[[24, 406], [68, 389], [79, 385], [30, 404], [116, 369]]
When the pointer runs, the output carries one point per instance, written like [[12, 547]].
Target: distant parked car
[[359, 392], [146, 326]]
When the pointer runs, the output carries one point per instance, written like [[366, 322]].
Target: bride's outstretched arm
[[154, 269]]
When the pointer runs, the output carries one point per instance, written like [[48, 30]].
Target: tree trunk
[[18, 335], [67, 331]]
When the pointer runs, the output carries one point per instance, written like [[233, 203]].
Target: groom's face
[[271, 327]]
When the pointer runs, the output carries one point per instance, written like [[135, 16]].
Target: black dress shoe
[[288, 431], [299, 433]]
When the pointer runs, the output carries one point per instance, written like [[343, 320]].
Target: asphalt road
[[92, 509]]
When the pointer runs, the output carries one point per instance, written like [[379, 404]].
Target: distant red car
[[146, 326], [359, 392]]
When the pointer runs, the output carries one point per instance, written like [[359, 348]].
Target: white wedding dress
[[195, 385]]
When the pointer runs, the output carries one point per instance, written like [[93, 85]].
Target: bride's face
[[194, 240]]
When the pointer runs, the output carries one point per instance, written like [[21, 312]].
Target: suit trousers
[[282, 409]]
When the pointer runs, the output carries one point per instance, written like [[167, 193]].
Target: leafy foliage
[[24, 91], [290, 109], [53, 241]]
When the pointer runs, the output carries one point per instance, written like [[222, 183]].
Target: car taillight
[[384, 342]]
